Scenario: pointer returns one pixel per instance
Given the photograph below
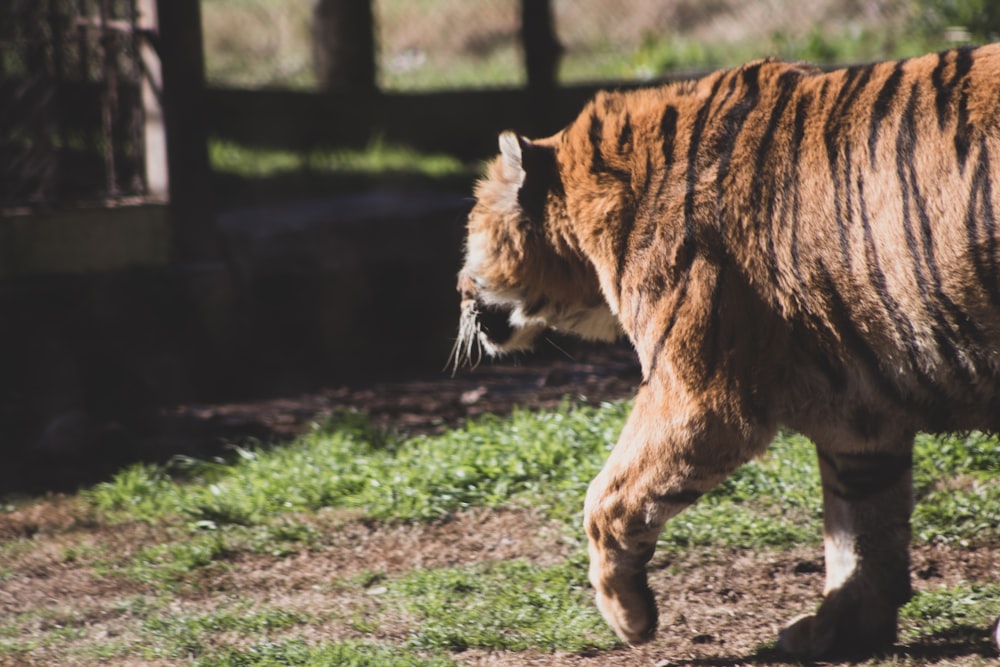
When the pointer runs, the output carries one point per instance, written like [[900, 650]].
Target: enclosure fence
[[71, 117], [448, 44]]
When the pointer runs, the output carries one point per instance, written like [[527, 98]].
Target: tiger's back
[[857, 206], [784, 247]]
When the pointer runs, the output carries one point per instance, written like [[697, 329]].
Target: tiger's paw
[[629, 607], [812, 637]]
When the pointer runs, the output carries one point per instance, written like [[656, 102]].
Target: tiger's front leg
[[867, 502], [671, 451]]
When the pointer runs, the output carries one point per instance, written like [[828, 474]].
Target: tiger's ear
[[532, 167], [512, 156]]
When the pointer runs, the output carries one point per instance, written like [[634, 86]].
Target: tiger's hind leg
[[867, 502], [669, 453]]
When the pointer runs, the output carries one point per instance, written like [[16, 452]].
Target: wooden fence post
[[182, 63], [542, 52], [344, 45]]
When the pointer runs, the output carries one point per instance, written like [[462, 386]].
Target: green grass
[[378, 158], [539, 459], [303, 654], [941, 611], [246, 175], [659, 55], [349, 466], [510, 606], [206, 517]]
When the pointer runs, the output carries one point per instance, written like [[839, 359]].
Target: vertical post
[[154, 131], [541, 58], [182, 63], [344, 45], [109, 96]]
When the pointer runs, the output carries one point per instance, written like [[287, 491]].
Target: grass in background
[[378, 158], [244, 175]]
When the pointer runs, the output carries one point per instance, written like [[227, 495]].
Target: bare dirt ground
[[716, 606]]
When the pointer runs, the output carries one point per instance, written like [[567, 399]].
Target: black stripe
[[860, 476], [900, 321], [905, 145], [668, 133], [963, 131], [622, 247], [649, 207], [798, 133], [598, 163], [885, 98], [786, 83], [949, 334], [599, 167], [727, 134], [762, 176], [944, 92], [686, 255], [847, 331], [681, 295], [855, 79], [679, 497], [595, 135], [942, 96], [625, 136], [983, 252], [711, 342], [647, 214], [536, 306]]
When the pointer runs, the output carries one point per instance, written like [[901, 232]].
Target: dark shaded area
[[343, 289], [81, 447]]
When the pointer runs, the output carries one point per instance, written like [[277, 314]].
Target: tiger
[[784, 246]]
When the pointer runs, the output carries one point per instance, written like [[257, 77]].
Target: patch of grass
[[510, 606], [541, 459], [347, 465], [172, 561], [181, 635], [773, 501], [957, 485], [952, 621], [378, 158], [302, 654]]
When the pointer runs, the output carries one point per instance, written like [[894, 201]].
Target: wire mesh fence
[[434, 44], [71, 117]]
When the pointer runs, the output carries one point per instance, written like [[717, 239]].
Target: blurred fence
[[447, 44], [71, 116]]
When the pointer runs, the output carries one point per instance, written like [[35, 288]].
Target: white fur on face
[[595, 322]]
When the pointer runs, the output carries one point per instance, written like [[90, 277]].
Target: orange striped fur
[[783, 247]]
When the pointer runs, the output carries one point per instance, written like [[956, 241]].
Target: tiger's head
[[523, 273]]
